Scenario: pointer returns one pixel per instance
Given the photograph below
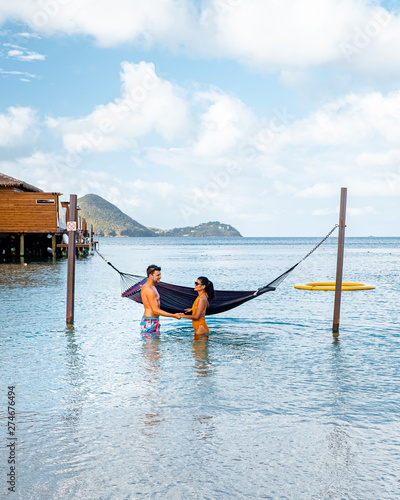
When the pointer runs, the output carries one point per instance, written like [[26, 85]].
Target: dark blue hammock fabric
[[174, 298]]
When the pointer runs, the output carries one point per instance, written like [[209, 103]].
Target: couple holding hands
[[150, 324]]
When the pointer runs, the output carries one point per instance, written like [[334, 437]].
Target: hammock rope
[[280, 278], [127, 280], [175, 298]]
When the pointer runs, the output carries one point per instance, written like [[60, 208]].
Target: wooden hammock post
[[339, 265], [71, 226]]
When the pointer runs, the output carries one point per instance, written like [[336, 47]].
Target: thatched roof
[[7, 181]]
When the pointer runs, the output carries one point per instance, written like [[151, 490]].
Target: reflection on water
[[30, 275], [201, 357], [341, 454], [203, 425], [204, 428], [74, 398], [152, 358], [151, 354]]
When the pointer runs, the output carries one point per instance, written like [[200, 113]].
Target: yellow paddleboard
[[332, 285]]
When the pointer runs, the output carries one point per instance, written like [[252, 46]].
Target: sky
[[254, 113]]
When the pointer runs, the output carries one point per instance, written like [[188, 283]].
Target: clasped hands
[[181, 315]]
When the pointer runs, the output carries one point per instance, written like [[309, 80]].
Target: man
[[150, 323]]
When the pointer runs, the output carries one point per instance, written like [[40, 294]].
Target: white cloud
[[22, 54], [288, 33], [14, 53], [324, 212], [282, 188], [352, 122], [320, 190], [12, 46], [292, 35], [43, 170], [373, 44], [284, 35], [148, 104], [28, 35], [387, 159], [168, 22], [380, 184], [18, 73], [224, 124], [350, 211], [353, 141], [348, 142], [361, 211], [16, 125], [26, 56]]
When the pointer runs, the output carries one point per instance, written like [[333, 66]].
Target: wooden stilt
[[339, 265], [54, 247], [21, 245], [71, 261]]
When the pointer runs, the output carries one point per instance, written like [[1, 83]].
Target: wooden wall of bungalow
[[29, 212]]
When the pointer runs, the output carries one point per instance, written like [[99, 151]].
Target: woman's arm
[[200, 309]]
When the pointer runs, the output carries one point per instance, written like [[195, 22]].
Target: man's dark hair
[[152, 268]]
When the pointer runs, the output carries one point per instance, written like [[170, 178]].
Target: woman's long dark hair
[[209, 286]]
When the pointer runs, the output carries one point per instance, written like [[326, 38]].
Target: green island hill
[[109, 220], [205, 230]]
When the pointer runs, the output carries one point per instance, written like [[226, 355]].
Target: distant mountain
[[207, 229], [108, 220]]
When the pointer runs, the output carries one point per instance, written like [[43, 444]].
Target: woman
[[204, 287]]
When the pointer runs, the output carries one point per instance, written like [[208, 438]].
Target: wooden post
[[71, 261], [13, 249], [21, 245], [54, 247], [339, 265]]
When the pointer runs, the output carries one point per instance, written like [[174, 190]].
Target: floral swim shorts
[[150, 327]]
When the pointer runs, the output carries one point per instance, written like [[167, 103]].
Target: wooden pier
[[33, 223]]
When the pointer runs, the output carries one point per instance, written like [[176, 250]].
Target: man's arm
[[151, 297]]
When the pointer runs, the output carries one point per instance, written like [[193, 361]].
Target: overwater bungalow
[[33, 222]]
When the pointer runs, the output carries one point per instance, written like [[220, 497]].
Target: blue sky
[[254, 113]]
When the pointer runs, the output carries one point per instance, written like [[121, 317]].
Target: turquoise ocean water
[[271, 406]]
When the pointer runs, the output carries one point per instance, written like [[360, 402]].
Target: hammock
[[175, 298]]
